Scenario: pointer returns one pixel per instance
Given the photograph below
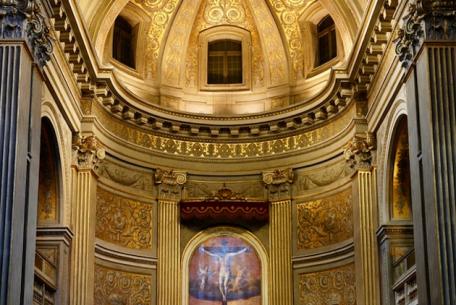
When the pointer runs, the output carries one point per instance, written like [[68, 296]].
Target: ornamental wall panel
[[324, 222], [123, 221], [113, 286]]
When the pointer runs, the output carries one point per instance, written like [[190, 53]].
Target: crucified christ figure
[[224, 270]]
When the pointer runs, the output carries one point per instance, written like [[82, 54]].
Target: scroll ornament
[[432, 19], [87, 151], [278, 176], [22, 19], [170, 177], [358, 152]]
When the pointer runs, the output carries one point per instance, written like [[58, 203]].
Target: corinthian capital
[[22, 19], [278, 176], [87, 152], [358, 152], [425, 20]]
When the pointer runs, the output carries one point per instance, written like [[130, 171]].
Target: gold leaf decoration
[[334, 286], [123, 221], [325, 221], [119, 287]]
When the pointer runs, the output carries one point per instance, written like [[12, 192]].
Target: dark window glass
[[224, 63], [122, 44], [327, 42]]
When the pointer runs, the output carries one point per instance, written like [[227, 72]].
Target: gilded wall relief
[[120, 287], [176, 45], [161, 13], [401, 198], [272, 43], [326, 176], [224, 270], [123, 221], [202, 149], [325, 221], [288, 11], [334, 286], [223, 12], [48, 207], [124, 176]]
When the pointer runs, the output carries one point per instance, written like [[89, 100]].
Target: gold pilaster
[[278, 184], [359, 155], [169, 257], [280, 253], [169, 269], [87, 153]]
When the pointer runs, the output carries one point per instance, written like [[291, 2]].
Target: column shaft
[[280, 253], [432, 131], [83, 247], [169, 270], [20, 104], [366, 250]]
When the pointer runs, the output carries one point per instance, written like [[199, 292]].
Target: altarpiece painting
[[225, 271]]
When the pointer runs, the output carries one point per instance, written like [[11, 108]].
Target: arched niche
[[49, 209], [225, 264], [399, 173]]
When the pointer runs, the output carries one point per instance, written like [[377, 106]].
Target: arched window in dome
[[224, 62], [327, 41], [123, 42]]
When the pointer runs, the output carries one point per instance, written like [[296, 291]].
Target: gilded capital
[[170, 177], [278, 183], [87, 152], [359, 151], [170, 183], [278, 176], [22, 19]]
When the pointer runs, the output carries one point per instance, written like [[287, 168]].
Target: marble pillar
[[87, 152], [24, 50], [427, 49]]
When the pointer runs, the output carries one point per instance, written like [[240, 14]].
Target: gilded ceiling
[[168, 50]]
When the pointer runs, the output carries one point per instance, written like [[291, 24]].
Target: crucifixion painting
[[225, 271]]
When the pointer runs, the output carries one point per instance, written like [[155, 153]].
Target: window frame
[[135, 29], [224, 33], [326, 32]]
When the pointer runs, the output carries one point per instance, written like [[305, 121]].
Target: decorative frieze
[[330, 287], [87, 151], [21, 19], [325, 221], [359, 151], [123, 221], [126, 176], [121, 287]]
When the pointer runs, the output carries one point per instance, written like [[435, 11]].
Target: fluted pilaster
[[366, 249], [278, 184], [24, 41], [87, 153], [170, 184], [169, 270], [280, 253]]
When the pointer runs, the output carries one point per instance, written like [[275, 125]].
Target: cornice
[[100, 85]]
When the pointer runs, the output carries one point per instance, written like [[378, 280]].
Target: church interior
[[227, 152]]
